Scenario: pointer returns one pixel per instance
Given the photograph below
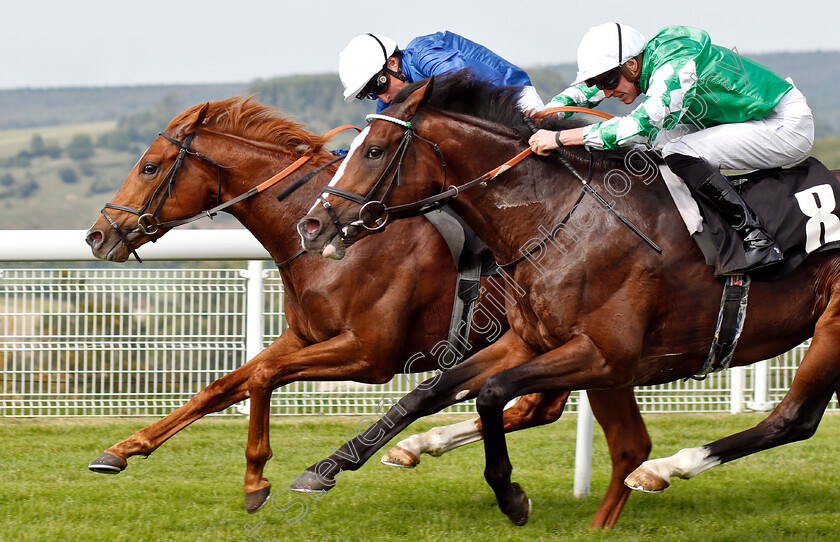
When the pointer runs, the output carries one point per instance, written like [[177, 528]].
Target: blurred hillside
[[64, 152], [29, 108]]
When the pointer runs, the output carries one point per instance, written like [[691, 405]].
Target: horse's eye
[[374, 152], [149, 169]]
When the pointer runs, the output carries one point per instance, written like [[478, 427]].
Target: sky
[[89, 43]]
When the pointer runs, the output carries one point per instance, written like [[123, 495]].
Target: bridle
[[378, 221], [148, 222], [374, 213]]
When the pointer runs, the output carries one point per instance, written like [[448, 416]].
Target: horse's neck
[[544, 203], [520, 206], [272, 222]]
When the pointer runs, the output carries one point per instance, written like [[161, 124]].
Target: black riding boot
[[759, 247]]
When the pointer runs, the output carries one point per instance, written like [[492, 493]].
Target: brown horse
[[366, 319], [597, 307]]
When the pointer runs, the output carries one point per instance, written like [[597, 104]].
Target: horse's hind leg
[[529, 411], [628, 442], [795, 418], [616, 411]]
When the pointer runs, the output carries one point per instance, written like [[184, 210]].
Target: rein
[[492, 174], [419, 207], [148, 223], [587, 188], [434, 202]]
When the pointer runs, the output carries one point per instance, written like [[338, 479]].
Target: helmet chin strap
[[399, 74]]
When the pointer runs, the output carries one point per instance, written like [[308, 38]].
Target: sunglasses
[[606, 81], [376, 86]]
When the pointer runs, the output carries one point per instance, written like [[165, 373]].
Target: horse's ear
[[194, 120], [418, 98]]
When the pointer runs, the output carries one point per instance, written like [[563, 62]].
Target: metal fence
[[130, 342]]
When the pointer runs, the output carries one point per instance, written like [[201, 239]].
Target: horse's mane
[[248, 118], [463, 93]]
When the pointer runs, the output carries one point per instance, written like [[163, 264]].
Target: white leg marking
[[687, 463], [439, 440]]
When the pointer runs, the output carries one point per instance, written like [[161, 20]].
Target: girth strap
[[467, 291], [467, 286], [733, 309]]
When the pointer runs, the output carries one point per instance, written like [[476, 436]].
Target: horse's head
[[369, 187], [169, 182]]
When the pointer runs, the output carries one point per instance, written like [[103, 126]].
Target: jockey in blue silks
[[372, 66]]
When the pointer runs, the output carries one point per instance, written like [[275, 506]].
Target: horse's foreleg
[[529, 411], [460, 383], [577, 364], [216, 397], [795, 418], [629, 444], [337, 359]]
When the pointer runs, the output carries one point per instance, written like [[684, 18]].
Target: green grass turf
[[191, 488]]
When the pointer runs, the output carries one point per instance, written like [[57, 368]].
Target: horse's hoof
[[400, 457], [309, 482], [108, 463], [255, 501], [523, 516], [642, 479], [521, 510]]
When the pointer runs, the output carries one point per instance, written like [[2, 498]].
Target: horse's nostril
[[93, 238], [311, 226]]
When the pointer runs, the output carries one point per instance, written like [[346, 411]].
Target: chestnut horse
[[596, 306], [366, 319]]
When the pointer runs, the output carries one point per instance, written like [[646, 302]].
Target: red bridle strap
[[294, 166], [492, 174], [572, 109], [545, 112]]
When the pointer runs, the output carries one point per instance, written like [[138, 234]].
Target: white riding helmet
[[598, 51], [364, 57]]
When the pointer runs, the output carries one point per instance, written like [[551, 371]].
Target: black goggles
[[606, 81], [376, 86]]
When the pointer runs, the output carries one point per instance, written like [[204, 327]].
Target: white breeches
[[781, 138]]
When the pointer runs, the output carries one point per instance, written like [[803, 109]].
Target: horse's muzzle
[[104, 248], [316, 239]]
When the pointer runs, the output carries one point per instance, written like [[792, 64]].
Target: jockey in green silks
[[706, 108]]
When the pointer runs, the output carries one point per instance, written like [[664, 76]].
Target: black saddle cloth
[[799, 206]]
